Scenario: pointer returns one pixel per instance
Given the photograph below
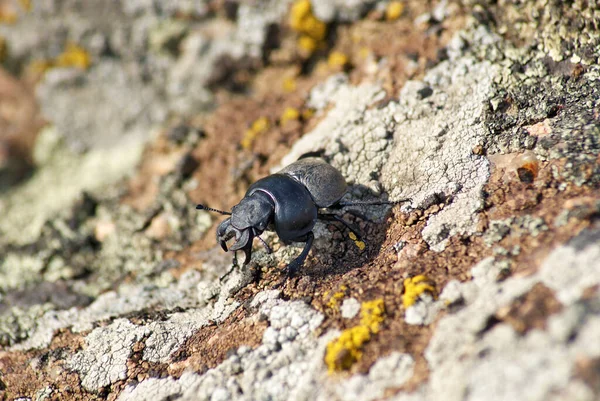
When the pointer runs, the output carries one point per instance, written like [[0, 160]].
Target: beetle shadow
[[346, 255]]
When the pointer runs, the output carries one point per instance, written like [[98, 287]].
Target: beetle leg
[[267, 247], [248, 252], [295, 264], [335, 217]]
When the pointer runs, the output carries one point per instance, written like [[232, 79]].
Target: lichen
[[359, 243], [337, 60], [258, 127], [336, 297], [74, 56], [345, 350], [289, 114], [312, 30], [394, 10], [414, 287], [289, 84]]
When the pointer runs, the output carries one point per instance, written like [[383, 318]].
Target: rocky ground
[[116, 118]]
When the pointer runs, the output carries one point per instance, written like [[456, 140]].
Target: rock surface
[[483, 285]]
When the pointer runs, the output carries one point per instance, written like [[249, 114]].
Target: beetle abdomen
[[324, 182], [295, 210]]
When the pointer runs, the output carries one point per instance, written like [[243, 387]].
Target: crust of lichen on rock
[[493, 134]]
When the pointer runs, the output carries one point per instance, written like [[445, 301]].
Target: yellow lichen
[[307, 44], [289, 114], [394, 10], [301, 9], [414, 287], [345, 350], [312, 30], [364, 52], [360, 244], [337, 60], [73, 56], [289, 84], [333, 301], [259, 126], [371, 314], [307, 114]]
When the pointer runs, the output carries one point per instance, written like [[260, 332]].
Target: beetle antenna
[[210, 209], [373, 203]]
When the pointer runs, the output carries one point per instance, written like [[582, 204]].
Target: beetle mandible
[[288, 202]]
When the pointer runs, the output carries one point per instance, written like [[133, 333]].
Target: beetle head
[[249, 219]]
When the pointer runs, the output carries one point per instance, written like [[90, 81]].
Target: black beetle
[[287, 202]]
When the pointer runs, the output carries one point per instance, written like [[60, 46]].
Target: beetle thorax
[[253, 212]]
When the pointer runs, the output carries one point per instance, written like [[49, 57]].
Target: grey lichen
[[271, 371], [355, 138], [467, 358], [423, 311], [432, 160], [416, 147], [128, 299], [350, 308], [514, 226], [104, 360], [342, 10], [389, 372]]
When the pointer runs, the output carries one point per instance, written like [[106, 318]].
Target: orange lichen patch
[[394, 10], [414, 287], [345, 350]]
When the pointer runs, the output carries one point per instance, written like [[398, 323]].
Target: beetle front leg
[[264, 244], [295, 264], [234, 264]]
